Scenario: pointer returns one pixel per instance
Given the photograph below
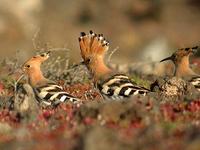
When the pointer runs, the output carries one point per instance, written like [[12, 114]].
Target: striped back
[[52, 94], [196, 82], [120, 86]]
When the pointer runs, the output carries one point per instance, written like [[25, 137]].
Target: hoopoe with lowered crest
[[46, 91], [112, 85], [180, 58]]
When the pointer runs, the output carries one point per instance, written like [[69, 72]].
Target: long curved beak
[[165, 59]]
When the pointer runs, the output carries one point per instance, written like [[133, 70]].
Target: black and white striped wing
[[196, 82], [119, 87], [53, 94]]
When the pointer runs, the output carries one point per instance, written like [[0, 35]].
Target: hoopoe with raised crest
[[180, 58], [112, 85], [46, 91]]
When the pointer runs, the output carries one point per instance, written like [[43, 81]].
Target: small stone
[[174, 87]]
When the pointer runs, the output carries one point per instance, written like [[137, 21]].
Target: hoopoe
[[112, 85], [47, 92], [180, 58]]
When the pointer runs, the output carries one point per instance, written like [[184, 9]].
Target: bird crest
[[92, 45]]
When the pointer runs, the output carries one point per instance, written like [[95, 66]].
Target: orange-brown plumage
[[93, 49], [180, 58], [46, 91], [32, 68], [111, 85]]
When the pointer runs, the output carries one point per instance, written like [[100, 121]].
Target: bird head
[[180, 54], [35, 62]]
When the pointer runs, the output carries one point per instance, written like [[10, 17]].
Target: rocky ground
[[157, 121]]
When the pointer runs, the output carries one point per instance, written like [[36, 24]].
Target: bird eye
[[42, 55], [87, 61], [27, 66]]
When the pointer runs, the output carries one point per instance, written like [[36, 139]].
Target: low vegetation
[[151, 122]]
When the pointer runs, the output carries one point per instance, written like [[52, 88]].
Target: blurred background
[[139, 29]]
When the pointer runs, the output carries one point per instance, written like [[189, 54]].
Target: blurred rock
[[174, 87], [25, 102]]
